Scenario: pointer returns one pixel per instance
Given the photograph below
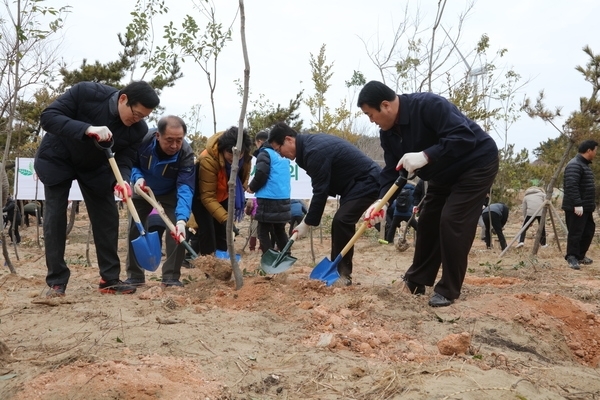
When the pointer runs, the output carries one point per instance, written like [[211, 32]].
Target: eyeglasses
[[136, 114], [278, 150]]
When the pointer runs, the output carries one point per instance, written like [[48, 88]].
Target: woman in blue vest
[[271, 186]]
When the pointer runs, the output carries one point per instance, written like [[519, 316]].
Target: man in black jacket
[[13, 217], [336, 167], [425, 134], [84, 113], [579, 204]]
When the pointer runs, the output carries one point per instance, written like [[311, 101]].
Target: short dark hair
[[262, 135], [140, 92], [279, 131], [587, 145], [373, 93], [172, 121], [228, 140]]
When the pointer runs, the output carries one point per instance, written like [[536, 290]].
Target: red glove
[[121, 193]]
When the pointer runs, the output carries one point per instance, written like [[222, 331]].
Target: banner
[[28, 186], [299, 179]]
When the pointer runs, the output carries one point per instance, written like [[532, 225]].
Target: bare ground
[[533, 327]]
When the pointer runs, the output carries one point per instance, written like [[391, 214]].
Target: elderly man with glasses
[[85, 113]]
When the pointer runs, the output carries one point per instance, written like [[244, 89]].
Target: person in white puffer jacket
[[532, 201]]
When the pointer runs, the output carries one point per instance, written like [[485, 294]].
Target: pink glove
[[123, 193]]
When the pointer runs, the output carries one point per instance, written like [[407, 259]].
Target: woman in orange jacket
[[212, 191]]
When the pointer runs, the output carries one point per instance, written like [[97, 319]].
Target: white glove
[[121, 192], [578, 211], [375, 218], [141, 184], [412, 161], [302, 230], [100, 133], [415, 209], [180, 231]]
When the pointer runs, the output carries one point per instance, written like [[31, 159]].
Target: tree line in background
[[416, 59]]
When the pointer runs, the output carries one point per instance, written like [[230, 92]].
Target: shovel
[[402, 244], [146, 247], [151, 199], [274, 262], [326, 270]]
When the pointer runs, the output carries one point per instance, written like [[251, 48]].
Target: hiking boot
[[573, 263], [437, 300], [586, 261], [134, 282], [414, 288], [57, 290], [115, 286], [171, 283]]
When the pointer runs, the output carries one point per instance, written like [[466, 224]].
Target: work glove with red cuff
[[121, 192], [302, 230], [100, 133], [141, 185], [372, 217], [180, 232], [412, 162]]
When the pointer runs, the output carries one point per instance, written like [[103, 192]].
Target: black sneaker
[[57, 290], [437, 300], [135, 282], [171, 283], [115, 287], [573, 263], [586, 261]]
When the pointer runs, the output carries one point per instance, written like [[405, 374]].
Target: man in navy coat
[[85, 113]]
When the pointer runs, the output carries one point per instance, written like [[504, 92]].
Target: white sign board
[[28, 186], [299, 179]]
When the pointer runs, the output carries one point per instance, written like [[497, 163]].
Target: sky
[[544, 40]]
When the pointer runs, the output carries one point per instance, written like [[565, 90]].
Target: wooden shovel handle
[[400, 181], [132, 210]]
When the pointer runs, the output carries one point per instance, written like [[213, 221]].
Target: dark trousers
[[539, 219], [13, 231], [497, 225], [447, 226], [581, 232], [105, 228], [296, 220], [212, 235], [343, 227], [269, 234], [390, 228], [171, 268]]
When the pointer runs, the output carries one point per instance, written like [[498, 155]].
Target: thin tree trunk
[[549, 191], [237, 273]]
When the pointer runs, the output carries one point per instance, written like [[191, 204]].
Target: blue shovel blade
[[225, 255], [326, 271], [147, 251]]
